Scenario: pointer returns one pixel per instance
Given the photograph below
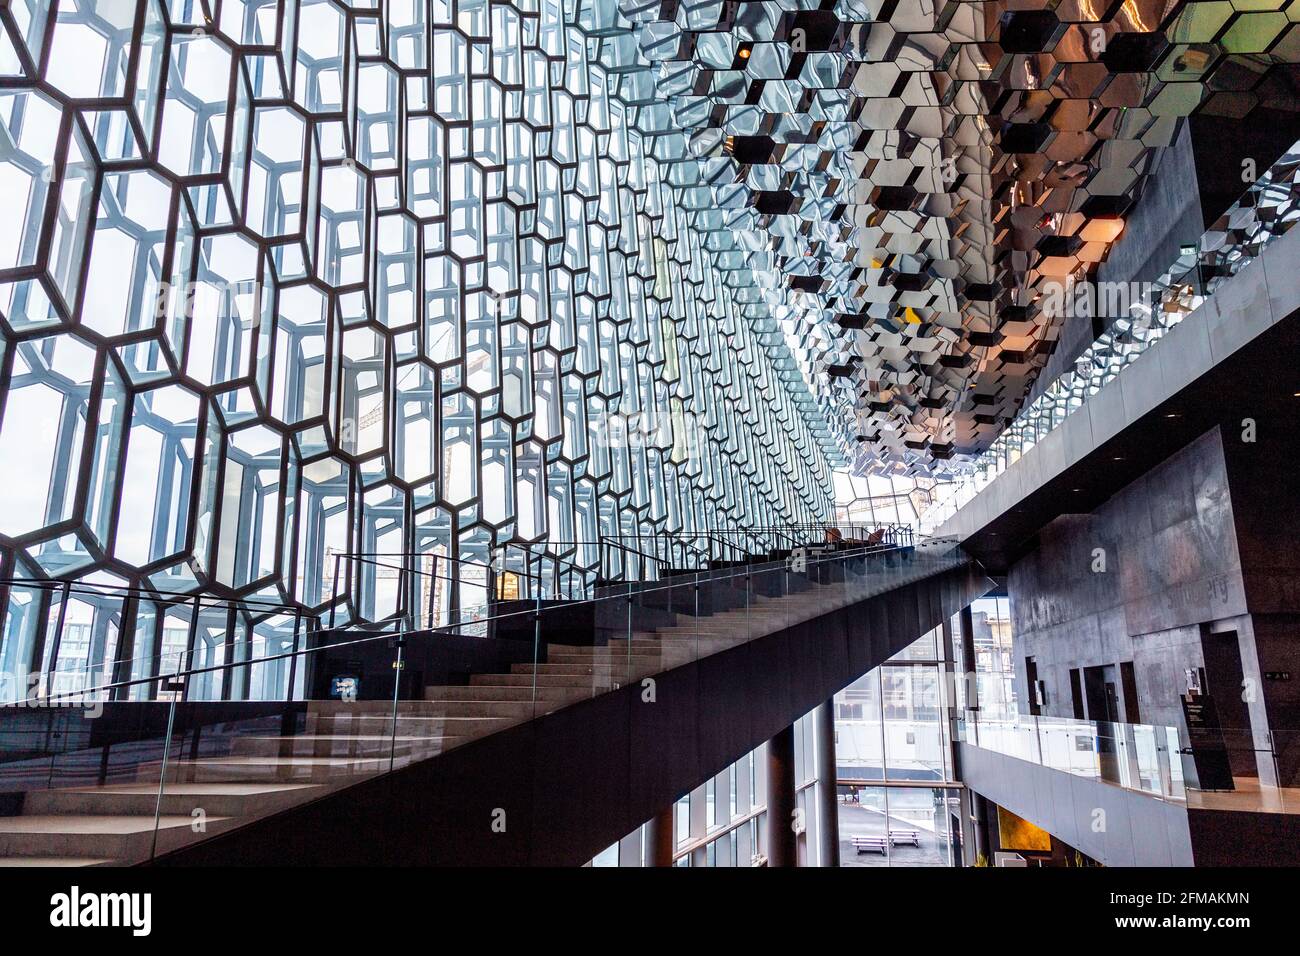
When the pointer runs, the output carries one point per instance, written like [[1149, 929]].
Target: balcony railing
[[1221, 768], [1138, 757]]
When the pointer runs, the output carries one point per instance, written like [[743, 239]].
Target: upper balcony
[[1137, 794]]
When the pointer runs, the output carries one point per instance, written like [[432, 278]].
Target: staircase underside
[[559, 788]]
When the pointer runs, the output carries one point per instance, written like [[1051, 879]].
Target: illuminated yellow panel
[[1017, 833]]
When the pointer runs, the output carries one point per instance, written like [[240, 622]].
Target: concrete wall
[[1207, 543], [1170, 566]]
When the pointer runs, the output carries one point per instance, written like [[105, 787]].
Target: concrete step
[[667, 655], [541, 680], [295, 769], [418, 726], [72, 861], [121, 839], [352, 745], [607, 667], [721, 629], [606, 677], [664, 637], [706, 643], [477, 692], [325, 710], [179, 799]]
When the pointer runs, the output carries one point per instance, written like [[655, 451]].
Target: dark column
[[660, 840], [782, 842], [980, 809], [968, 659], [828, 805], [951, 675], [973, 830]]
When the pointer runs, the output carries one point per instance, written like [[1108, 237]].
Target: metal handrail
[[367, 557], [195, 602], [679, 538], [645, 556], [531, 552], [152, 594], [720, 575]]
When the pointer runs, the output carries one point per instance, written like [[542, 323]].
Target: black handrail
[[405, 600], [540, 553], [130, 596], [813, 558]]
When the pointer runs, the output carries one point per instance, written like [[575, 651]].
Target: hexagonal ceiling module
[[918, 173]]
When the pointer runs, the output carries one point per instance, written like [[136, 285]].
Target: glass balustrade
[[1227, 769]]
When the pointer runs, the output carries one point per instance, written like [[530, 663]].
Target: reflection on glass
[[994, 668]]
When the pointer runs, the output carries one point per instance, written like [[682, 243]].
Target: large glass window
[[283, 287], [994, 665], [893, 750]]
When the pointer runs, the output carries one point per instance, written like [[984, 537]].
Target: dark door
[[1225, 683], [1076, 694], [1103, 710], [1099, 691], [1031, 678], [1128, 684], [1112, 702]]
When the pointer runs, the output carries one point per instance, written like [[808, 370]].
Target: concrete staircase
[[259, 771]]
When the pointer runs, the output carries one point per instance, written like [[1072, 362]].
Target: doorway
[[1102, 696], [1076, 694], [1031, 678], [1128, 683], [1101, 693], [1225, 681]]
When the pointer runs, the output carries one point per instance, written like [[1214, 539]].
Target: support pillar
[[828, 804], [968, 658], [782, 841], [980, 819], [660, 840]]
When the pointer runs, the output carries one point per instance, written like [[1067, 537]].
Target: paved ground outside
[[858, 820]]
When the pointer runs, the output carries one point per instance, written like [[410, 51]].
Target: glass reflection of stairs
[[344, 742]]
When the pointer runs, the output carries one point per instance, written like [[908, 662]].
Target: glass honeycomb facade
[[289, 280]]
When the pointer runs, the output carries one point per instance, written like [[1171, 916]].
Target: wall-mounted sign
[[1277, 675]]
